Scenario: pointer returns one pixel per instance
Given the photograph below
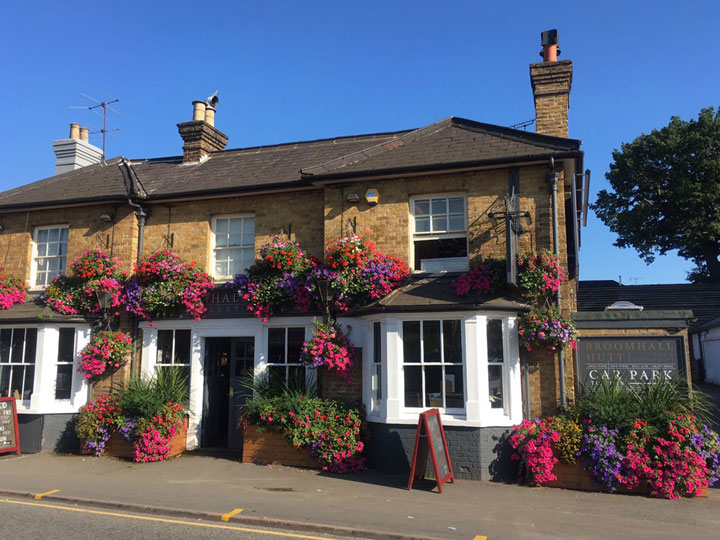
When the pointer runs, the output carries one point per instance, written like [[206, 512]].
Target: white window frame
[[214, 249], [377, 380], [23, 364], [34, 262], [442, 363], [72, 363], [310, 372], [160, 365], [504, 364], [453, 264]]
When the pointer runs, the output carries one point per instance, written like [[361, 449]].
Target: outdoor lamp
[[326, 294], [104, 299]]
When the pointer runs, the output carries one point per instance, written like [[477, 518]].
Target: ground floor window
[[284, 367], [433, 368], [65, 363], [17, 362], [173, 351]]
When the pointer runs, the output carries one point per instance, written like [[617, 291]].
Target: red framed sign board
[[9, 436], [430, 439]]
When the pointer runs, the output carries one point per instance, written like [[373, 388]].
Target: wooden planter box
[[118, 447], [573, 477], [264, 446]]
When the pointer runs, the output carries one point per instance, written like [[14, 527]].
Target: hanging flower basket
[[540, 274], [484, 278], [12, 290], [76, 293], [163, 283], [545, 327], [329, 347], [107, 350]]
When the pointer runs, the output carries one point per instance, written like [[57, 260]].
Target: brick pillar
[[551, 83]]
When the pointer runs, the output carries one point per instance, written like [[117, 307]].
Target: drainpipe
[[141, 214], [553, 176]]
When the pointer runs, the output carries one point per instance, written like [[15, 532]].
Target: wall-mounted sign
[[635, 360], [372, 196], [9, 438], [224, 303]]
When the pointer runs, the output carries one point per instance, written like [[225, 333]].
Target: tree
[[667, 193]]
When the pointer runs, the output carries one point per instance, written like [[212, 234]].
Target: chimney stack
[[200, 135], [76, 151], [551, 82]]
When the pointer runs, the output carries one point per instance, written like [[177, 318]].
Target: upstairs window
[[439, 233], [234, 245], [50, 253]]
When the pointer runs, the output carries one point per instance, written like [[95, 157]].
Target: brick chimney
[[200, 135], [75, 151], [551, 81]]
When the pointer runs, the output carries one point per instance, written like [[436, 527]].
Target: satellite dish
[[212, 101]]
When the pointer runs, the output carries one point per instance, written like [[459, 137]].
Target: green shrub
[[145, 397]]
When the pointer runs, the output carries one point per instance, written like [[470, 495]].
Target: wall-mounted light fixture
[[107, 218], [352, 198]]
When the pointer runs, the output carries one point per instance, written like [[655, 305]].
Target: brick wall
[[349, 390]]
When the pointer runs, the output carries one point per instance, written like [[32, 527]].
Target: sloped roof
[[434, 292], [452, 142], [35, 311], [702, 299]]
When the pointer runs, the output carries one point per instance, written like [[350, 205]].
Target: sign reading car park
[[635, 360]]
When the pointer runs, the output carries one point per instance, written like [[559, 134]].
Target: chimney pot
[[550, 42], [551, 83], [74, 131], [84, 134], [210, 116], [199, 111]]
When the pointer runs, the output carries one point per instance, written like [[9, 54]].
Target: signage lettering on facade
[[635, 360], [225, 303]]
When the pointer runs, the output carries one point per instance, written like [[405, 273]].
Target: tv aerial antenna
[[105, 106]]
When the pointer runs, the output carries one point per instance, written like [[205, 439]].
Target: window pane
[[495, 340], [53, 235], [5, 381], [413, 386], [182, 347], [431, 341], [16, 380], [276, 346], [43, 236], [52, 249], [221, 268], [411, 341], [221, 226], [439, 223], [63, 235], [5, 335], [454, 387], [377, 343], [63, 381], [439, 206], [29, 381], [62, 248], [296, 378], [276, 377], [236, 226], [422, 207], [66, 346], [30, 345], [422, 225], [433, 386], [457, 223], [42, 250], [495, 386], [378, 382], [296, 338], [164, 346], [18, 339], [452, 343], [456, 205], [249, 235], [235, 240], [42, 265]]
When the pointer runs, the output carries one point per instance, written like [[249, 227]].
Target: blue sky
[[291, 71]]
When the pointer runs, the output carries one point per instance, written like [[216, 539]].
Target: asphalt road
[[33, 520]]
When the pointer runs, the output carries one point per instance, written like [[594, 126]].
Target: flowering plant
[[602, 456], [90, 273], [329, 347], [484, 278], [328, 429], [95, 422], [163, 283], [533, 445], [546, 327], [270, 284], [151, 437], [540, 274], [12, 290], [107, 350]]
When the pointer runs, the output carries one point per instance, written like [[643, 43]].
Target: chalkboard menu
[[430, 439], [9, 440]]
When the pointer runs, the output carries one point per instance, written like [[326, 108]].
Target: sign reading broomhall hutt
[[636, 360]]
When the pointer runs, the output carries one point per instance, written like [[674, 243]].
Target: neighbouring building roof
[[702, 299], [434, 292], [449, 143]]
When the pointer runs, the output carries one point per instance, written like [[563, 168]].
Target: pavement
[[366, 505]]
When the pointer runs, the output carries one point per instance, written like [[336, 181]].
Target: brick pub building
[[430, 196]]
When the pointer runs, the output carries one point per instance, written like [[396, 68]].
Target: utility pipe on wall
[[553, 177]]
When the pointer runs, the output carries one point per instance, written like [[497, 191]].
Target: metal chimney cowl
[[75, 152]]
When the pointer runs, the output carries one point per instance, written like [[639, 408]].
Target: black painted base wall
[[47, 433], [475, 453]]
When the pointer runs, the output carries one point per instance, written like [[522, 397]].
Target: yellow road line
[[226, 517], [165, 520], [39, 496], [479, 537]]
